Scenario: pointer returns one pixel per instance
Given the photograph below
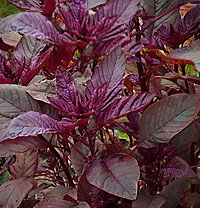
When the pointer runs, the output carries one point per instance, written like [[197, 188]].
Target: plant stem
[[139, 64], [154, 20], [65, 168]]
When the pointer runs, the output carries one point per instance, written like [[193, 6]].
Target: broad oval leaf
[[110, 71], [150, 201], [31, 124], [14, 101], [11, 147], [26, 164], [166, 118], [177, 168], [32, 24], [118, 176], [13, 192]]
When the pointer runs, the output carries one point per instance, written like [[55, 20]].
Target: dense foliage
[[99, 104]]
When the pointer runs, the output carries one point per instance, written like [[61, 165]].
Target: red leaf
[[11, 147], [177, 168], [26, 164], [118, 176], [13, 192]]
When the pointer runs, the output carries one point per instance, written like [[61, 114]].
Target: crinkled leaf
[[166, 118], [65, 86], [13, 192], [42, 90], [155, 8], [118, 176], [183, 140], [32, 24], [174, 192], [77, 160], [26, 164], [11, 147], [125, 105], [189, 53], [177, 168], [15, 101], [150, 201], [111, 72], [31, 124], [95, 3]]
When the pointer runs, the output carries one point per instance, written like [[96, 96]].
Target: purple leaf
[[89, 193], [14, 100], [13, 192], [65, 87], [31, 124], [11, 147], [155, 8], [54, 198], [173, 36], [174, 192], [192, 200], [123, 11], [77, 160], [43, 6], [6, 71], [150, 201], [63, 106], [125, 105], [34, 25], [118, 176], [181, 2], [28, 49], [26, 164], [190, 23], [183, 140], [110, 71], [166, 118], [177, 168]]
